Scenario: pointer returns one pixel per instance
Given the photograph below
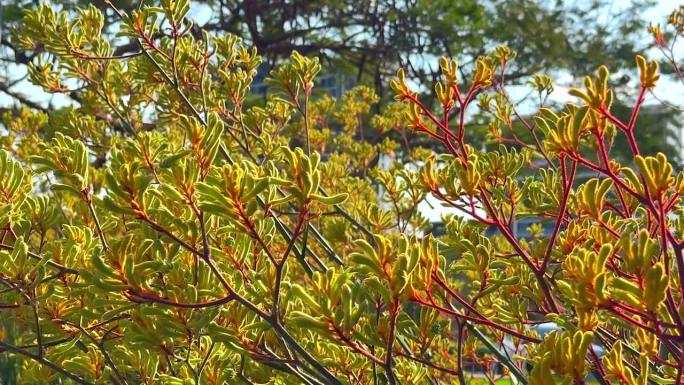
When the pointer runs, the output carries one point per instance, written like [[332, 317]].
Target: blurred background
[[365, 41]]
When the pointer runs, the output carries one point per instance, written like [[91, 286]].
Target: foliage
[[166, 232], [396, 32], [363, 42]]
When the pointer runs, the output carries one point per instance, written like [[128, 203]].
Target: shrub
[[171, 230]]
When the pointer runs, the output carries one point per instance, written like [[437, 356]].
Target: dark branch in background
[[369, 40], [22, 99]]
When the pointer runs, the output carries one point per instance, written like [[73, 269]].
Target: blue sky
[[666, 90]]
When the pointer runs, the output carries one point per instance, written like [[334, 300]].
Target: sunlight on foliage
[[173, 228]]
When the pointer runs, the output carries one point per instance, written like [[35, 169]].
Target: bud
[[648, 72]]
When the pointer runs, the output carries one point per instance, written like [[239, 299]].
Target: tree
[[369, 39], [164, 232]]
